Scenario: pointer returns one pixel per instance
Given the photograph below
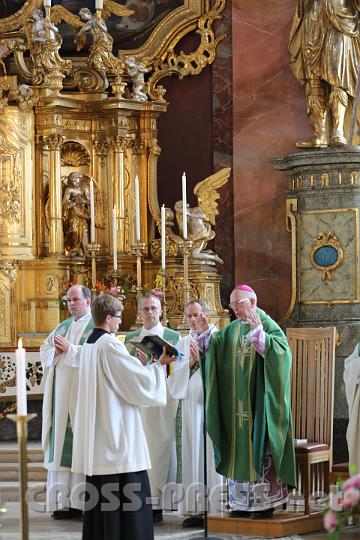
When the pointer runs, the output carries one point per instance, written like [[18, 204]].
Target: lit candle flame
[[20, 343]]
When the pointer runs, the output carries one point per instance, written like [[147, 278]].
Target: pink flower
[[330, 521], [159, 294], [353, 482], [351, 497], [113, 291]]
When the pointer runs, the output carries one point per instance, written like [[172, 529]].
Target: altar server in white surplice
[[192, 421], [352, 388], [109, 440], [159, 422], [58, 357]]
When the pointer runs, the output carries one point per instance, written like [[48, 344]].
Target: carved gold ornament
[[188, 64], [74, 154], [326, 254]]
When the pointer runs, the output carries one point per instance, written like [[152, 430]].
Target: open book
[[154, 345]]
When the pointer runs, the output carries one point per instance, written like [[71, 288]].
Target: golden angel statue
[[44, 44], [101, 57], [201, 218], [325, 53]]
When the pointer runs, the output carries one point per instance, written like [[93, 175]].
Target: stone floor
[[42, 527]]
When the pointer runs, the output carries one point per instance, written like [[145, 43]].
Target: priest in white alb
[[192, 345], [159, 422], [109, 440], [58, 357]]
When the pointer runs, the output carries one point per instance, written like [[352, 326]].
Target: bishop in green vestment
[[248, 407]]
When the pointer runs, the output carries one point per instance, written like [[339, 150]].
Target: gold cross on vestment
[[243, 416], [240, 352]]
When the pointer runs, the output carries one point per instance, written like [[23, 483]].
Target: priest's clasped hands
[[61, 344]]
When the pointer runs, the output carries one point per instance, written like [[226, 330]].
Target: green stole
[[248, 402], [66, 456]]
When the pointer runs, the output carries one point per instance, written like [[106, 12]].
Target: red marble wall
[[269, 115]]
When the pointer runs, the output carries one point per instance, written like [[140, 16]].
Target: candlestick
[[163, 276], [93, 249], [163, 237], [99, 4], [21, 425], [21, 380], [138, 248], [187, 246], [114, 238], [183, 182], [92, 212], [137, 208]]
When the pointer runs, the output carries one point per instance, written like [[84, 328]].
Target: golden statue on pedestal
[[49, 68], [101, 57], [76, 215], [325, 54]]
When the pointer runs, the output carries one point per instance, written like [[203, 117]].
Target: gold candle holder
[[22, 431], [163, 275], [137, 249], [93, 249], [186, 246]]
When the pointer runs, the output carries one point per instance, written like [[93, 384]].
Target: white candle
[[99, 4], [183, 182], [137, 208], [163, 237], [115, 238], [92, 212], [21, 380], [47, 3]]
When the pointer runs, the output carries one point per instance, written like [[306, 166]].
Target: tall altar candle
[[163, 237], [137, 208], [92, 212], [47, 3], [99, 4], [115, 238], [21, 380], [183, 182]]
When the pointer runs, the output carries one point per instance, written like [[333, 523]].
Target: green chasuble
[[66, 457], [248, 402]]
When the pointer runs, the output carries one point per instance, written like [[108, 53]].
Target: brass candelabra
[[93, 249], [163, 275], [22, 432], [186, 249], [137, 249]]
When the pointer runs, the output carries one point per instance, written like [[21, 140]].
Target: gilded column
[[56, 240], [119, 145]]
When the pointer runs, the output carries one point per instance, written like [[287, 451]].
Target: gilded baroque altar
[[66, 119]]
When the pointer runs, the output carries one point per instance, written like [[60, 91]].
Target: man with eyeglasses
[[159, 422], [109, 440], [248, 408], [58, 356]]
